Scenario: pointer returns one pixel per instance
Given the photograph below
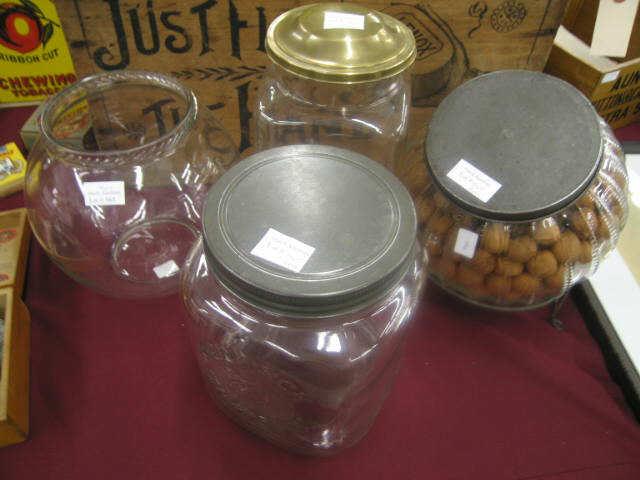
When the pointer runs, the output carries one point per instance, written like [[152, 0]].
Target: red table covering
[[116, 393]]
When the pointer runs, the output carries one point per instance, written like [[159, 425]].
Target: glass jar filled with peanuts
[[527, 190]]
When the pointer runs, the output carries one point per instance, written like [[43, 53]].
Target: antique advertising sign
[[34, 59]]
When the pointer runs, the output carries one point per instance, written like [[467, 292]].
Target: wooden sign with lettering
[[217, 46]]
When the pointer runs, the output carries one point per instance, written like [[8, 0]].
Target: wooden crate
[[14, 369], [218, 48]]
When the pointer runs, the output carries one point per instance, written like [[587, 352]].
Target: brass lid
[[340, 43]]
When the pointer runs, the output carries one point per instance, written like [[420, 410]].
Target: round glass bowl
[[301, 291], [527, 190], [338, 77], [116, 181]]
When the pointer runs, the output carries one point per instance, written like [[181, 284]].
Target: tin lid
[[340, 43], [308, 228], [514, 145]]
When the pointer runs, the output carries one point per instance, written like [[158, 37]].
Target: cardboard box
[[14, 328], [14, 247], [612, 85], [580, 20], [34, 57], [12, 169], [30, 131]]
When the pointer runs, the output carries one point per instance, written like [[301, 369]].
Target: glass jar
[[116, 181], [339, 76], [301, 291], [527, 191]]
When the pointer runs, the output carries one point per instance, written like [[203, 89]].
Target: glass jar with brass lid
[[339, 76]]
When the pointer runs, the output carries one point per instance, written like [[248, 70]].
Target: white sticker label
[[283, 250], [103, 193], [610, 77], [343, 20], [474, 181], [466, 242], [166, 269]]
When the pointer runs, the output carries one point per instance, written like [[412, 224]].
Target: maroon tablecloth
[[116, 393]]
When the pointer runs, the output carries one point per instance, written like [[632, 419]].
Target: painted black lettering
[[202, 10], [103, 53], [617, 115], [175, 116], [156, 108], [262, 28], [623, 81], [171, 40], [137, 30], [236, 25], [245, 115]]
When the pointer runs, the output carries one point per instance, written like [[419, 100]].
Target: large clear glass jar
[[300, 294], [527, 190], [339, 76], [116, 181]]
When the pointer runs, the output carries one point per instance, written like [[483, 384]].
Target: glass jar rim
[[286, 77], [104, 81], [301, 313], [237, 212]]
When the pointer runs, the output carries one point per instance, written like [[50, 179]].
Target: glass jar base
[[327, 444], [494, 304], [153, 252]]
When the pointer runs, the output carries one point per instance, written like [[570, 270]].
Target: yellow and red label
[[12, 169], [34, 57]]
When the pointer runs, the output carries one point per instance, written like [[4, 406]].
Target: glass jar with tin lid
[[527, 190], [301, 291], [339, 76]]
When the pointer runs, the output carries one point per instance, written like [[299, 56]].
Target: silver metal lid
[[355, 222], [534, 134]]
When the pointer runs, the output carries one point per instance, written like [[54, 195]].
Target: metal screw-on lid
[[309, 228], [340, 43], [535, 138]]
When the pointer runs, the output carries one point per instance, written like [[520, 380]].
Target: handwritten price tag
[[474, 181], [343, 20], [283, 250], [466, 242], [103, 193]]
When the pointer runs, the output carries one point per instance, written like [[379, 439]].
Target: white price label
[[610, 76], [166, 269], [474, 181], [283, 250], [466, 242], [343, 20], [103, 193]]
